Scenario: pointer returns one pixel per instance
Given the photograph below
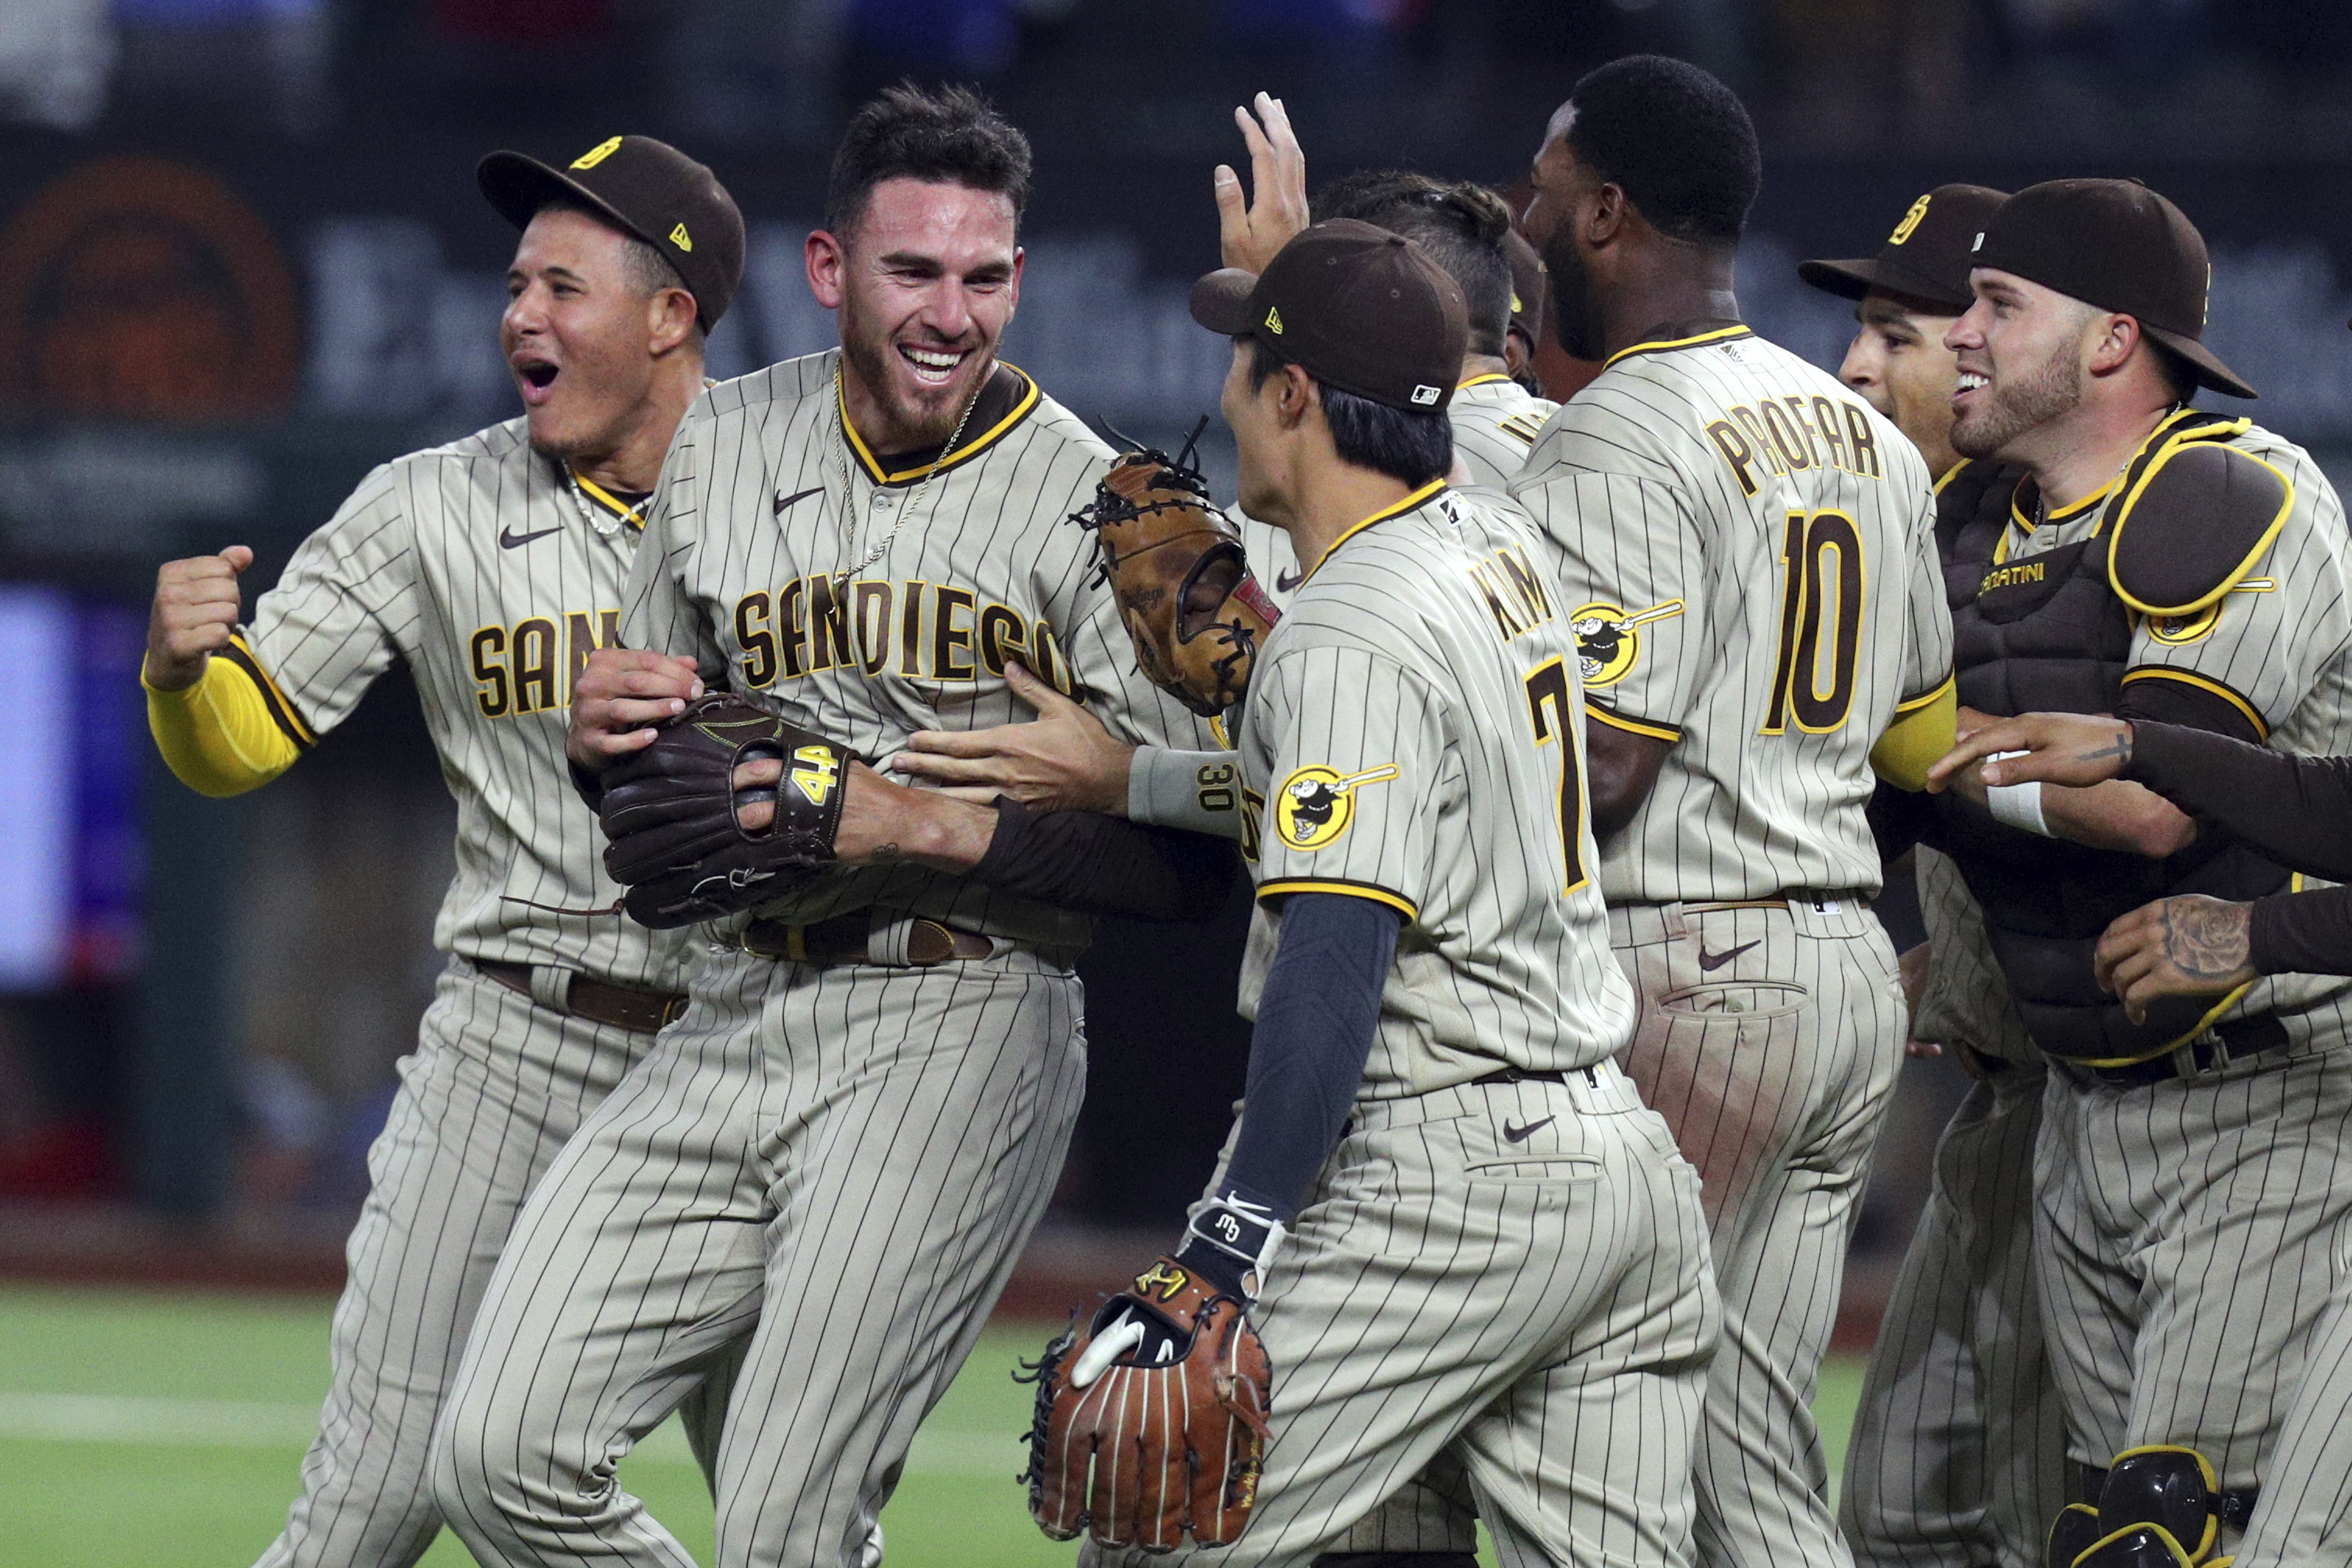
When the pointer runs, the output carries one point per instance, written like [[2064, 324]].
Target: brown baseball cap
[[1927, 258], [1353, 305], [2116, 245], [1529, 290], [642, 187]]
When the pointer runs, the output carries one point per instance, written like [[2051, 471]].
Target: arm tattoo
[[885, 853], [2203, 941], [2120, 747]]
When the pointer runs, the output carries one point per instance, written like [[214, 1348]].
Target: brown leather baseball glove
[[1184, 589], [670, 813], [1152, 1424]]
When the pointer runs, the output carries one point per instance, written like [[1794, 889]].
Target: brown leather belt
[[633, 1008], [864, 936]]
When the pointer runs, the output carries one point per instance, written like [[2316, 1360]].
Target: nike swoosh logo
[[510, 539], [1521, 1135], [783, 501], [1712, 961]]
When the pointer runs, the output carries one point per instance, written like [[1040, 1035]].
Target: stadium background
[[242, 261]]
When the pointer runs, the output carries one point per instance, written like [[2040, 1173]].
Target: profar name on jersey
[[1794, 433]]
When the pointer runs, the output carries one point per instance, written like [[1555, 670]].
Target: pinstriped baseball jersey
[[2277, 648], [751, 565], [481, 566], [1496, 421], [1748, 553], [1411, 736]]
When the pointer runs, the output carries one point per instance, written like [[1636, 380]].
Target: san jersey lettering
[[516, 667]]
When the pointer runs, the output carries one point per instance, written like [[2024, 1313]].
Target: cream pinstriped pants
[[496, 1085], [1959, 1453], [1768, 1040], [1534, 1313], [826, 1173]]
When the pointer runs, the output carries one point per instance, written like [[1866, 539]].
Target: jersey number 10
[[1821, 551]]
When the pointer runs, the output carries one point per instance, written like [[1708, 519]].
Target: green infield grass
[[144, 1429]]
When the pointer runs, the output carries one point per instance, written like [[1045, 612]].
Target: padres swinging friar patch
[[1606, 641], [1315, 803]]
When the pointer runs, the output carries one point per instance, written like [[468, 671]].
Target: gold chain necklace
[[848, 533]]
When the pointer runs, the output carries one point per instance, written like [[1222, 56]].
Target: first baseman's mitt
[[669, 812], [1164, 1399], [1184, 589]]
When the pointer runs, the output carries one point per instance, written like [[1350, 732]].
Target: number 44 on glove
[[1152, 1424]]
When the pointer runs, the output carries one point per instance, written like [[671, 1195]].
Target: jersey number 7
[[1552, 709], [1821, 551]]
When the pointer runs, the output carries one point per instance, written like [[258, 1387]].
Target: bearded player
[[2112, 549], [1067, 761], [1758, 541], [830, 1162], [1959, 1449], [492, 568]]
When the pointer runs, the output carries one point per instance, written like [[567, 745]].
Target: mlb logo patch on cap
[[1425, 394]]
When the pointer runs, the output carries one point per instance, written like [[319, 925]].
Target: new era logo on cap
[[1427, 394], [678, 237], [1274, 321]]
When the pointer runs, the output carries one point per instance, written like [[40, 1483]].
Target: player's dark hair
[[1403, 444], [1677, 142], [947, 136], [1461, 227], [649, 271]]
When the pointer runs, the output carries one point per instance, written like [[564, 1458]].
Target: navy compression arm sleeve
[[1315, 1024]]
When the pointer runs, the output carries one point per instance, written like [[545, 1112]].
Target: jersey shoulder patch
[[2194, 521]]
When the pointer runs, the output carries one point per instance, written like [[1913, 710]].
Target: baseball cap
[[2116, 245], [1927, 258], [642, 187], [1528, 290], [1353, 305]]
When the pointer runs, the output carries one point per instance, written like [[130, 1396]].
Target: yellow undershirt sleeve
[[1923, 730], [219, 736]]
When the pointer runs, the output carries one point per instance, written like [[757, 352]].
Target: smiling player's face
[[579, 334], [924, 283], [1898, 362]]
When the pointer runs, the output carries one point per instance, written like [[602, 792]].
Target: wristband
[[1235, 1229], [2018, 805]]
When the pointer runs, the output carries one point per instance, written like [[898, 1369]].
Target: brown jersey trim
[[1668, 733], [1664, 345], [1024, 394], [1281, 887], [240, 654]]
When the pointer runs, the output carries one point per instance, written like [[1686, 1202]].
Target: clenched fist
[[197, 602]]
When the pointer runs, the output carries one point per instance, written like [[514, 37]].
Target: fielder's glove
[[669, 812], [1175, 564], [1163, 1398]]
